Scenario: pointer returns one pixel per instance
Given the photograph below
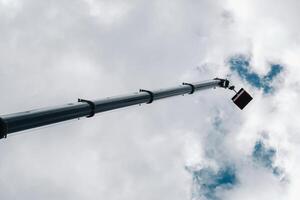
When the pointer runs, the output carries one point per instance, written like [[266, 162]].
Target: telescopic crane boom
[[88, 108]]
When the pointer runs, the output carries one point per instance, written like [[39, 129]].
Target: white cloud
[[108, 12], [54, 52]]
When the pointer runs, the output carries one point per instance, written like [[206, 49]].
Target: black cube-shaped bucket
[[242, 98]]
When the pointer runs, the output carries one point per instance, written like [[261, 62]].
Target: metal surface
[[86, 108]]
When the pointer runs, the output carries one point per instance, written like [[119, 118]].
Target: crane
[[21, 121]]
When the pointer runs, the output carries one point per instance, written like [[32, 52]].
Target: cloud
[[54, 52]]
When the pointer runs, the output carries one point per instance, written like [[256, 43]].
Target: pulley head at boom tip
[[224, 83]]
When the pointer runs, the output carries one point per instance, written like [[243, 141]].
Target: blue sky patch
[[241, 65], [265, 156], [206, 182]]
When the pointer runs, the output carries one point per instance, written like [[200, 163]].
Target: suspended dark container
[[241, 98]]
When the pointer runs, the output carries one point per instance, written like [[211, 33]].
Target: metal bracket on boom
[[92, 106], [192, 87], [150, 93]]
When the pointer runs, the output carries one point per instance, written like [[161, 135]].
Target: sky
[[196, 147]]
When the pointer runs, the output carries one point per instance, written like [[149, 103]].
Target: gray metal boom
[[87, 108]]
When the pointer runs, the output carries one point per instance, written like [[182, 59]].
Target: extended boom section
[[87, 108]]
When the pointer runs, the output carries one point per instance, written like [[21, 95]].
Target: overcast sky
[[196, 147]]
